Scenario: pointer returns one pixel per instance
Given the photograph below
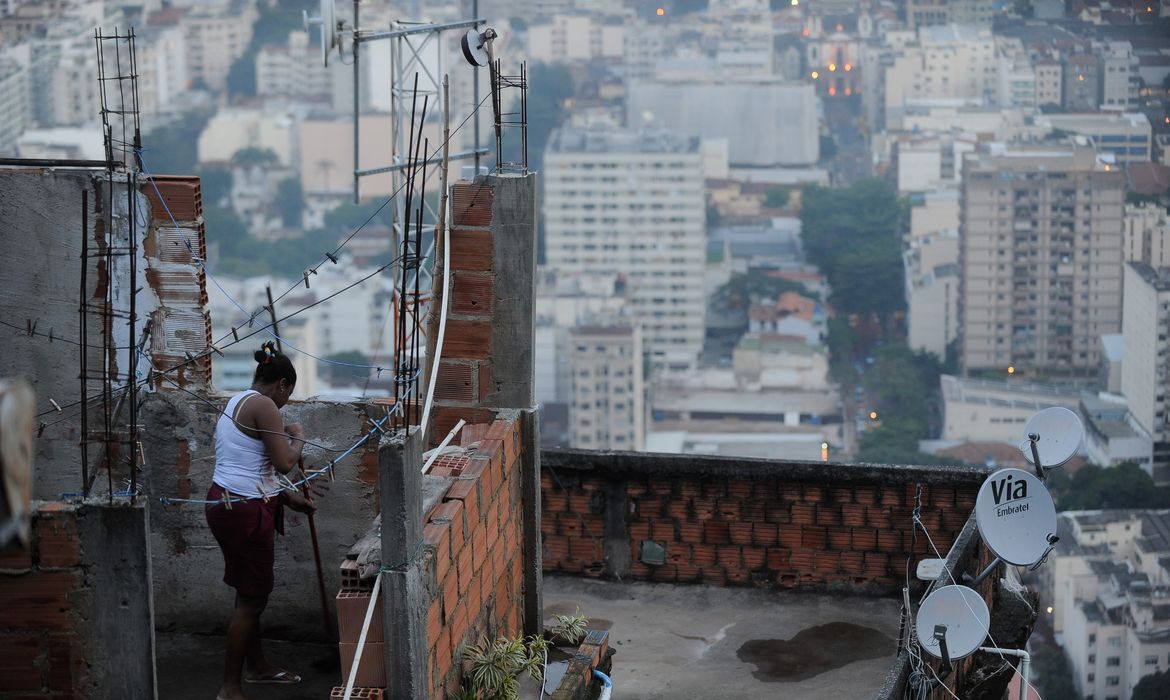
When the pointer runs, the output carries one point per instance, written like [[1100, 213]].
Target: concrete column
[[403, 596]]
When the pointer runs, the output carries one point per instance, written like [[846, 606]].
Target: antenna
[[1051, 438], [952, 622], [327, 20], [477, 46], [1016, 517]]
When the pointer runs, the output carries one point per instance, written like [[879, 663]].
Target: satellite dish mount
[[1052, 437], [330, 27]]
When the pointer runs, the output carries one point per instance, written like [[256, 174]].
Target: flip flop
[[282, 677]]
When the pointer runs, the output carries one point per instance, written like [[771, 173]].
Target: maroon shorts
[[246, 534]]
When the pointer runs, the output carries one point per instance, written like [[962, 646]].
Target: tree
[[1096, 488], [290, 202], [776, 198], [552, 85], [271, 28], [216, 184], [249, 156], [828, 147], [1054, 678], [173, 149], [342, 371], [1155, 686]]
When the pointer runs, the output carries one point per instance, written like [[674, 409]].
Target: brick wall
[[473, 554], [465, 371], [743, 522], [181, 324], [65, 630]]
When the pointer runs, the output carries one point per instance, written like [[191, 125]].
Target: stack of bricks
[[465, 371], [724, 530], [473, 554], [42, 610], [352, 602], [173, 249]]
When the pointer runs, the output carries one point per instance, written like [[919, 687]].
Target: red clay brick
[[57, 542], [675, 508], [866, 495], [864, 539], [471, 204], [778, 513], [827, 562], [777, 559], [765, 534], [703, 554], [739, 488], [471, 294], [803, 514], [840, 538], [18, 663], [828, 514], [852, 562], [662, 531], [878, 517], [753, 558], [690, 532], [689, 573], [715, 532], [468, 340], [852, 514], [813, 494], [729, 557], [667, 573], [790, 536], [801, 560], [714, 576], [889, 541], [728, 509], [16, 557], [791, 492], [705, 508], [813, 537], [38, 601], [740, 533], [453, 383]]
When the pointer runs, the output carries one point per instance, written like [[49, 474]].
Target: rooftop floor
[[702, 642]]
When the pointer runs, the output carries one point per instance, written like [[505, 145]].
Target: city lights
[[1011, 370], [848, 67], [660, 11], [815, 75], [832, 67], [873, 415]]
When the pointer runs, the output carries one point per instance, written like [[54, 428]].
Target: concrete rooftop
[[699, 642]]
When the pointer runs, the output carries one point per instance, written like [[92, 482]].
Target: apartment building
[[1109, 587], [569, 38], [607, 411], [1145, 371], [631, 202], [215, 39], [15, 103], [1127, 136], [1040, 256], [1147, 235], [295, 71]]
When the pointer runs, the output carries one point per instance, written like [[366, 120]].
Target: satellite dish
[[327, 20], [1057, 432], [477, 46], [955, 616], [1016, 516]]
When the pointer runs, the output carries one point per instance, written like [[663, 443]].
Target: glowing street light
[[1011, 370], [848, 67], [832, 67], [660, 11], [794, 3], [824, 452], [873, 415], [815, 75]]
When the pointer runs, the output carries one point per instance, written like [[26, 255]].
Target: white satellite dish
[[327, 20], [1016, 516], [1057, 432], [955, 616], [477, 46]]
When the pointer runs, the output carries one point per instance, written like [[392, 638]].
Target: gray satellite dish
[[327, 20], [1016, 516], [477, 46], [1056, 433], [955, 618]]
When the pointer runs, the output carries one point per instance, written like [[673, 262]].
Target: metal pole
[[84, 307], [272, 315], [316, 554], [438, 284], [356, 102], [475, 97]]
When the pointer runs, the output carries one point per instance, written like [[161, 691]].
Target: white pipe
[[438, 450], [442, 331], [357, 653], [1025, 662], [606, 685]]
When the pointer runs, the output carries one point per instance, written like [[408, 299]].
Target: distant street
[[852, 161]]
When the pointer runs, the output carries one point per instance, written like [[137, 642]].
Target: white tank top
[[241, 461]]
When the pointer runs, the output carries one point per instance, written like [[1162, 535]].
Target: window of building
[[1112, 680], [1151, 660], [1113, 661]]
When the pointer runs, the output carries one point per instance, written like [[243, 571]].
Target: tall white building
[[631, 202], [1147, 235], [947, 62], [15, 103], [1145, 371], [607, 411], [215, 39], [1041, 237], [569, 38]]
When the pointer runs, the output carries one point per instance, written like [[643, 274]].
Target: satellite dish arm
[[940, 635], [1033, 438]]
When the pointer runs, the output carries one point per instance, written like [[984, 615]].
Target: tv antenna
[[1051, 438]]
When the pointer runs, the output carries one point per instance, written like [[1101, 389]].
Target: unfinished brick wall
[[743, 522], [473, 554], [75, 608], [181, 324]]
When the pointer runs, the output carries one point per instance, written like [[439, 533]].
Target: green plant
[[571, 628], [495, 665]]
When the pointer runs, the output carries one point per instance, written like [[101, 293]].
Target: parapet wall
[[76, 616], [691, 519]]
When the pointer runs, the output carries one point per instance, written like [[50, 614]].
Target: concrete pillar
[[488, 359], [404, 600], [530, 500]]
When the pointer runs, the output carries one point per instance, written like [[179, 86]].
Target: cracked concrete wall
[[40, 226], [179, 446]]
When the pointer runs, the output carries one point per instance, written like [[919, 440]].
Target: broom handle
[[317, 558]]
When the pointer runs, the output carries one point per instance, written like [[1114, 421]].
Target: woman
[[251, 445]]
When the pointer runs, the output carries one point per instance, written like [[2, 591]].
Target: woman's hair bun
[[266, 353]]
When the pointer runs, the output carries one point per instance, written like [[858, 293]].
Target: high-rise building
[[1040, 257], [1147, 235], [631, 202], [15, 103], [608, 406], [1145, 371]]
